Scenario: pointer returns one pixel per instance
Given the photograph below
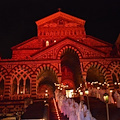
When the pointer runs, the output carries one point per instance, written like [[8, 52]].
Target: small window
[[47, 43]]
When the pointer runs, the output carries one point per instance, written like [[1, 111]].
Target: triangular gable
[[118, 40], [97, 42], [51, 52], [60, 14], [30, 43]]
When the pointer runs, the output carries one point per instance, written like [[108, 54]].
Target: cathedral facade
[[60, 53]]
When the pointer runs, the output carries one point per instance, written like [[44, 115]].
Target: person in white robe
[[80, 114], [73, 116], [88, 115]]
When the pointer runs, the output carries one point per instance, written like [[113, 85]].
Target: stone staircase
[[54, 112]]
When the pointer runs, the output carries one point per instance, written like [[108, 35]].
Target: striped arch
[[98, 66], [3, 74], [46, 73], [46, 67], [114, 68], [22, 67], [63, 49], [18, 74]]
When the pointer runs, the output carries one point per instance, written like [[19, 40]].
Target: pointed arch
[[46, 76], [20, 74], [3, 74], [46, 67], [114, 72], [63, 49], [98, 66]]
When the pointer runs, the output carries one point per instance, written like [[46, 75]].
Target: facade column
[[84, 78], [7, 88], [60, 68], [17, 87], [33, 86], [109, 80], [59, 79], [24, 87]]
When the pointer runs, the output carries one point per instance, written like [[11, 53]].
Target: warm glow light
[[79, 90], [98, 88], [118, 83], [54, 41], [111, 91], [46, 90], [56, 109], [100, 83], [47, 43], [86, 92], [46, 95], [104, 82], [115, 83], [81, 93], [60, 88], [92, 83], [69, 93], [57, 84], [106, 97]]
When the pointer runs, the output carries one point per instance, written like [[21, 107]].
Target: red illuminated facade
[[60, 53]]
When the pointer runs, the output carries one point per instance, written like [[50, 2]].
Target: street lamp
[[46, 93], [106, 99], [87, 92], [81, 96]]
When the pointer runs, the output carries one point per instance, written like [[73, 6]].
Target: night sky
[[17, 19]]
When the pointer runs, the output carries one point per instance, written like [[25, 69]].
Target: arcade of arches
[[69, 57]]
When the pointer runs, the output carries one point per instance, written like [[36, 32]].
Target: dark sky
[[17, 19]]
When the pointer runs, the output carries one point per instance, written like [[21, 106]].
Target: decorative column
[[24, 87], [33, 86], [17, 87], [7, 87], [109, 80], [60, 73], [60, 68], [59, 79], [84, 78]]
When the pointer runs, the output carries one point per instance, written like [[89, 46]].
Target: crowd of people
[[114, 96], [72, 109]]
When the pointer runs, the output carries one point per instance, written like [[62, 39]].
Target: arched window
[[1, 87], [14, 86], [21, 86], [114, 78], [47, 43], [27, 86]]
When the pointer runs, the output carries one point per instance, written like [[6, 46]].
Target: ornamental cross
[[59, 9]]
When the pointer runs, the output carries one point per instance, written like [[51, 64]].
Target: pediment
[[28, 44], [51, 52], [60, 19]]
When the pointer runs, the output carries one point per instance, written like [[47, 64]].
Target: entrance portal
[[70, 65], [45, 83]]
